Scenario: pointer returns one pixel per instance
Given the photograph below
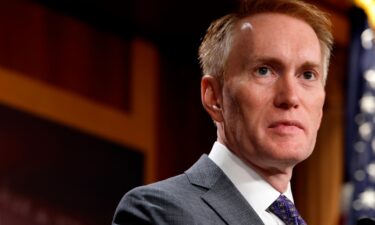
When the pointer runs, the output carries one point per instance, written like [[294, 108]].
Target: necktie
[[286, 211]]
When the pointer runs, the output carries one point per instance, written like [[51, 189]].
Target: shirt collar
[[258, 193]]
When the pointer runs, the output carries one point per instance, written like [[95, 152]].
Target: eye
[[309, 75], [263, 71]]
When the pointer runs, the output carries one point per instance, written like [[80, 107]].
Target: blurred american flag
[[360, 120]]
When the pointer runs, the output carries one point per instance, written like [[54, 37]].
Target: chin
[[300, 156], [292, 155]]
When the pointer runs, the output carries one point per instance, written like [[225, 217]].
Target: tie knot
[[286, 211]]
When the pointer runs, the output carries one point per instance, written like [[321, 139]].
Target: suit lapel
[[221, 194]]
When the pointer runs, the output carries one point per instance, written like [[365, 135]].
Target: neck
[[277, 174], [278, 178], [278, 181]]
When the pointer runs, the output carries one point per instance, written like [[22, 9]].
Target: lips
[[286, 126]]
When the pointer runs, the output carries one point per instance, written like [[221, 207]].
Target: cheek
[[320, 118], [317, 113], [246, 102], [253, 96]]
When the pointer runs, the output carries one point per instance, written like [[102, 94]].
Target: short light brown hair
[[215, 47]]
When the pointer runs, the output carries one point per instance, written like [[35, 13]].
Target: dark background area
[[70, 174]]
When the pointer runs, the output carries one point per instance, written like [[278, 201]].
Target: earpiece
[[216, 107]]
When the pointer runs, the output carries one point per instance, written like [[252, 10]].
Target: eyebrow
[[267, 60], [279, 64], [311, 65]]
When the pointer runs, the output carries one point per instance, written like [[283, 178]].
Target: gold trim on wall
[[135, 129]]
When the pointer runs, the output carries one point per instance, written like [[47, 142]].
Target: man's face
[[273, 93]]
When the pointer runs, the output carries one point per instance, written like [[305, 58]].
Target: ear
[[211, 97]]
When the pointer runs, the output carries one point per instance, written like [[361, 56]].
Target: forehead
[[276, 21], [275, 33]]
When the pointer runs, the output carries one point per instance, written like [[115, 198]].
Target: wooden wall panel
[[51, 173], [98, 95], [63, 70], [66, 53]]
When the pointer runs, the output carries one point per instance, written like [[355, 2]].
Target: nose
[[286, 94]]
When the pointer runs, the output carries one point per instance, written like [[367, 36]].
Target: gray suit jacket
[[202, 195]]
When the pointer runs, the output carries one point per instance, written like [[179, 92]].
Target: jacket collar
[[221, 194]]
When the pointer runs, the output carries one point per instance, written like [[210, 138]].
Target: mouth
[[286, 126]]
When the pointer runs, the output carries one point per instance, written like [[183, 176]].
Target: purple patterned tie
[[286, 211]]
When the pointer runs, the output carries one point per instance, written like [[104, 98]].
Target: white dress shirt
[[257, 192]]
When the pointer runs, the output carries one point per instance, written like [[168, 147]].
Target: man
[[264, 69]]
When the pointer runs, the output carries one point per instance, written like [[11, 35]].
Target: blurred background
[[100, 96]]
